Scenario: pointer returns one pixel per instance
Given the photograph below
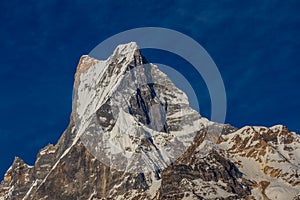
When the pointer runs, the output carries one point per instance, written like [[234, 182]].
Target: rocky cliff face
[[132, 135]]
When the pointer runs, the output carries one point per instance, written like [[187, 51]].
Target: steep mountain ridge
[[133, 135]]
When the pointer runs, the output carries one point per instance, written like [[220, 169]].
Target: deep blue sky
[[255, 44]]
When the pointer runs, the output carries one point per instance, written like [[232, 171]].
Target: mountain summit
[[133, 135]]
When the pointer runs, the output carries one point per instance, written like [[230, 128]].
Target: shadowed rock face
[[198, 163]]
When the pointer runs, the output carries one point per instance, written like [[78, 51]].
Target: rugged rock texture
[[174, 152]]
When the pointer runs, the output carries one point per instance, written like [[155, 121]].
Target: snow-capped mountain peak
[[127, 111]]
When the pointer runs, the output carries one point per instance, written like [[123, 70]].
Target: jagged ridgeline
[[133, 135]]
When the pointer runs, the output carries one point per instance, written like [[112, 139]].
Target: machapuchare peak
[[133, 135]]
